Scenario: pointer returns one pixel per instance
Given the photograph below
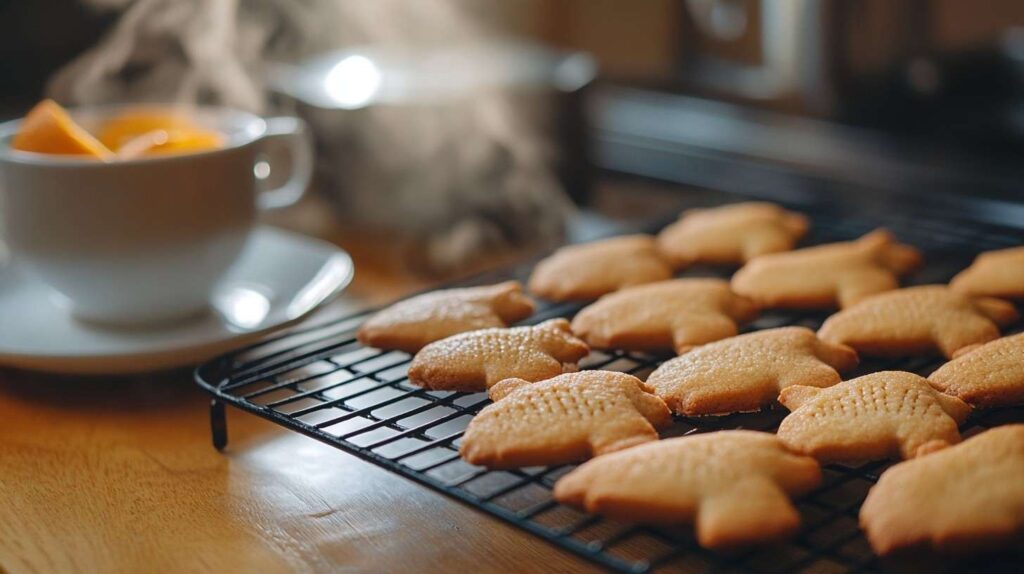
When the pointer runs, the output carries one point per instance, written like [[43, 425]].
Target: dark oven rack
[[320, 382]]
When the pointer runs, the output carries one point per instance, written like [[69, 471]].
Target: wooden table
[[101, 475]]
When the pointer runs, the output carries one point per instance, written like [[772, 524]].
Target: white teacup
[[145, 240]]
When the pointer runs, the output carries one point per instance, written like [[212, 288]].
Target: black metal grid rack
[[322, 383]]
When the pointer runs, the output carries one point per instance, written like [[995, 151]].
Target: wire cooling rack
[[322, 383]]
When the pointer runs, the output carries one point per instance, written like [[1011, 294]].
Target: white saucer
[[280, 278]]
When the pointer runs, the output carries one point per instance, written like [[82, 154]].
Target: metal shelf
[[320, 382]]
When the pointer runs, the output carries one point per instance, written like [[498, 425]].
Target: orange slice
[[163, 142], [49, 129], [126, 126]]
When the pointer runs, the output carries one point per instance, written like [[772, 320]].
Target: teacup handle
[[293, 134]]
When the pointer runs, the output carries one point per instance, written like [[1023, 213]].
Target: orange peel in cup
[[135, 133], [131, 124], [164, 142], [49, 129]]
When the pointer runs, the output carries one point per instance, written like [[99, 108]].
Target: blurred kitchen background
[[454, 135]]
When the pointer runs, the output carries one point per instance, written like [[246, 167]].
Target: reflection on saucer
[[280, 277], [243, 308], [337, 269]]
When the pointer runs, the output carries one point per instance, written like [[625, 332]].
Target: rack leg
[[218, 424]]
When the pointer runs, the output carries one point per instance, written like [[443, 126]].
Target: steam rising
[[465, 176]]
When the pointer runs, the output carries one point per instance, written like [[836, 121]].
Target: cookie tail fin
[[896, 257], [876, 239], [797, 224], [901, 259], [508, 301], [1001, 312], [753, 510], [689, 334], [954, 407], [771, 240], [839, 357], [860, 286], [793, 396], [970, 330], [503, 388]]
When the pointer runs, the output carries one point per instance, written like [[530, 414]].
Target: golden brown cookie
[[474, 361], [746, 373], [994, 274], [827, 276], [586, 271], [989, 375], [565, 419], [669, 315], [889, 414], [411, 324], [918, 321], [734, 485], [963, 499], [731, 234]]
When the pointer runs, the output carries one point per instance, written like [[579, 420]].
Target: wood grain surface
[[119, 475]]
